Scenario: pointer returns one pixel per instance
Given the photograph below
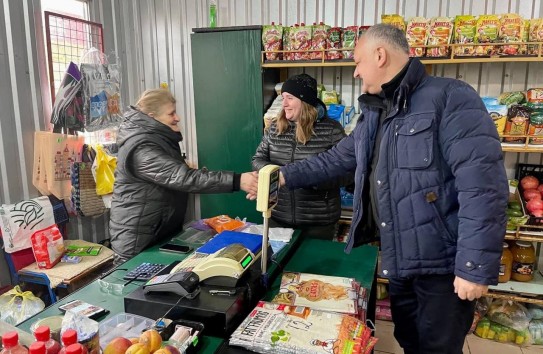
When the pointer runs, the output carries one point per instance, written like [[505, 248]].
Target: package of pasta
[[318, 40], [416, 36], [221, 223], [486, 32], [464, 33], [334, 42], [394, 20], [511, 29], [439, 34], [348, 40], [272, 39], [300, 40]]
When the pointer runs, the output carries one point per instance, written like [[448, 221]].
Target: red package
[[48, 247], [318, 40], [334, 42]]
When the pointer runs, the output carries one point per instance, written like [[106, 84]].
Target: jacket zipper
[[292, 197], [395, 147]]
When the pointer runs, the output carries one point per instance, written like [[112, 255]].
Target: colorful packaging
[[334, 42], [486, 32], [498, 113], [535, 35], [394, 20], [286, 44], [300, 39], [224, 222], [48, 246], [511, 29], [416, 35], [464, 32], [439, 33], [536, 128], [272, 39], [349, 38], [534, 95], [518, 118], [318, 40]]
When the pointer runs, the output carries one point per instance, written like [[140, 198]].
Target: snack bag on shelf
[[272, 39], [535, 35], [394, 20], [535, 95], [464, 32], [511, 98], [536, 127], [518, 118], [439, 33], [498, 113], [286, 43], [334, 42], [416, 35], [300, 39], [348, 40], [486, 32], [511, 29], [523, 49], [318, 40]]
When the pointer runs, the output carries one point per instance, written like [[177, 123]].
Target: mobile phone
[[170, 247], [84, 308]]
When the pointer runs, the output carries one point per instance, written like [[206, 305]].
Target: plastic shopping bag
[[16, 305], [104, 171]]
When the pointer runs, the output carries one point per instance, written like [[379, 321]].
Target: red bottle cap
[[74, 349], [10, 339], [69, 337], [42, 333], [37, 348]]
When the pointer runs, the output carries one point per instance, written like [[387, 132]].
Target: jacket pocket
[[415, 143], [447, 236]]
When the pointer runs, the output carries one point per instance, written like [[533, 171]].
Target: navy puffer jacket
[[441, 185]]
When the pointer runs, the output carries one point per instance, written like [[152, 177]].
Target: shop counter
[[308, 255]]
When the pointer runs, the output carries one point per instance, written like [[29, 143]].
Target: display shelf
[[452, 59], [530, 288]]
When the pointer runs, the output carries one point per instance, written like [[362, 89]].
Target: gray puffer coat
[[311, 206], [152, 182]]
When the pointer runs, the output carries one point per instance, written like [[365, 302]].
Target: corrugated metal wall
[[152, 41]]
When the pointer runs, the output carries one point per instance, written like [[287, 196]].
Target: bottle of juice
[[68, 338], [10, 341], [74, 349], [43, 334], [212, 13], [37, 348]]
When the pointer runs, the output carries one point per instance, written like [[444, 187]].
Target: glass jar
[[523, 261], [506, 264]]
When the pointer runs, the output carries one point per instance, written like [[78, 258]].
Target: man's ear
[[381, 56]]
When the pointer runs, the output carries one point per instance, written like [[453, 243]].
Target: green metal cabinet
[[228, 97]]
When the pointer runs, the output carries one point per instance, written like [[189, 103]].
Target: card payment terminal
[[266, 200]]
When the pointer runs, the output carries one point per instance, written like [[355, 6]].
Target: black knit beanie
[[304, 87]]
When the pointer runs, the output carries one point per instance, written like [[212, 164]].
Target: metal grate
[[67, 39]]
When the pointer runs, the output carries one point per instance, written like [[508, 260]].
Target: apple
[[117, 345]]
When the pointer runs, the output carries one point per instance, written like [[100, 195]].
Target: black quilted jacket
[[316, 205], [152, 182]]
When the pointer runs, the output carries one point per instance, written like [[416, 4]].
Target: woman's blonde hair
[[153, 101], [304, 125]]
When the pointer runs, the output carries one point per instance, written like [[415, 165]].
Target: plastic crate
[[524, 170], [123, 325]]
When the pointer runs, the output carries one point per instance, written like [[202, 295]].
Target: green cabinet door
[[229, 110]]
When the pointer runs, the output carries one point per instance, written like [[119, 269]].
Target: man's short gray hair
[[389, 34]]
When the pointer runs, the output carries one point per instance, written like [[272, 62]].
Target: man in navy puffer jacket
[[429, 175]]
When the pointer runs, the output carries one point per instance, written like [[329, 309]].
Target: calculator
[[144, 271]]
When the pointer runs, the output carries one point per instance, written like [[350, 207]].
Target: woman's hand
[[249, 184]]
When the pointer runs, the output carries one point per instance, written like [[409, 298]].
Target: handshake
[[249, 183]]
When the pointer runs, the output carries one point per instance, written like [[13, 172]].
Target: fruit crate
[[524, 170]]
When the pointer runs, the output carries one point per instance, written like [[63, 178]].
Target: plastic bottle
[[212, 14], [43, 334], [37, 348], [68, 338], [74, 349], [10, 341]]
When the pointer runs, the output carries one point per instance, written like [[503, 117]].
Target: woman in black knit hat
[[302, 130]]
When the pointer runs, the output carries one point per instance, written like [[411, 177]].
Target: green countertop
[[311, 256]]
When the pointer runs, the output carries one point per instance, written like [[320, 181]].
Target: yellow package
[[486, 32], [439, 33], [464, 32], [511, 30], [416, 35], [394, 20], [104, 168], [535, 35]]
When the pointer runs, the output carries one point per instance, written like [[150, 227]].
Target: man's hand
[[467, 290], [281, 179], [249, 184]]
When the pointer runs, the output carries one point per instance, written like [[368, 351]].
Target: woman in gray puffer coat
[[152, 179], [302, 130]]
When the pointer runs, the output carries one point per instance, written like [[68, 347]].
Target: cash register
[[229, 272]]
